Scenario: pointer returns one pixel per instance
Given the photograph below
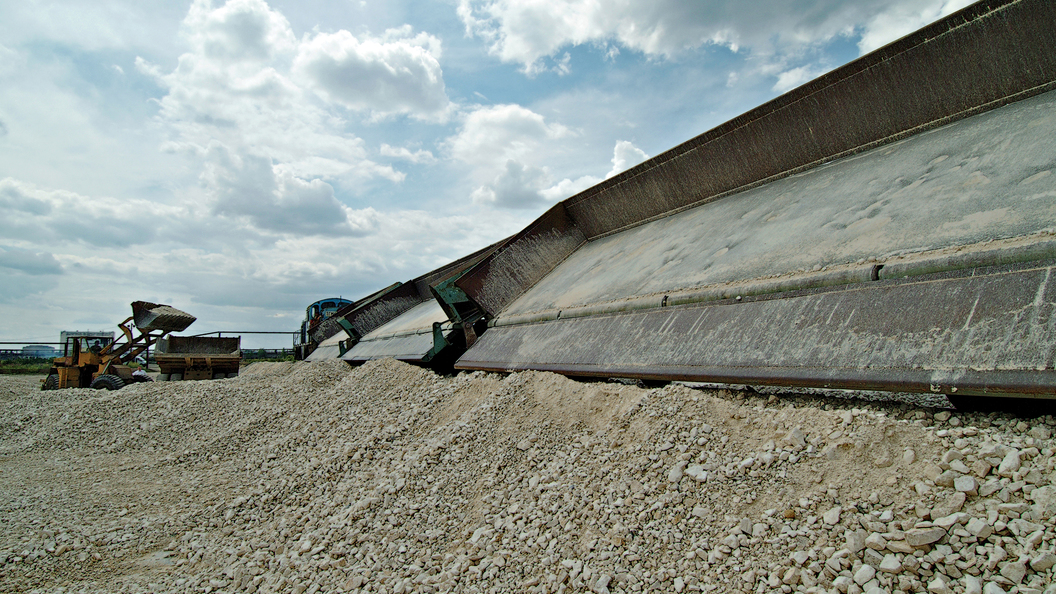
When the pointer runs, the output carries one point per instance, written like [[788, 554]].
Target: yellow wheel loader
[[91, 362]]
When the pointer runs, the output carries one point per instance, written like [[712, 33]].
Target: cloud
[[398, 73], [25, 273], [56, 217], [29, 262], [795, 77], [275, 200], [418, 156], [533, 33], [506, 148], [238, 31], [492, 136], [516, 186], [624, 156], [263, 114], [902, 19], [525, 31], [511, 149]]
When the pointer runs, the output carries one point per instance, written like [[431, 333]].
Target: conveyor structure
[[403, 321], [889, 226]]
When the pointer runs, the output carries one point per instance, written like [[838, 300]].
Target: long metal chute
[[887, 226]]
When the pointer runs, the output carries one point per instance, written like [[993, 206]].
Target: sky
[[239, 160]]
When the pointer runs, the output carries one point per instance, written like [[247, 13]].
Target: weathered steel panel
[[521, 261], [984, 178], [417, 319], [991, 333], [331, 326], [412, 348], [329, 348], [408, 337]]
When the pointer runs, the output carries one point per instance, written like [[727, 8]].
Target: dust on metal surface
[[418, 318], [198, 345], [985, 178], [982, 334], [408, 337], [413, 347], [522, 260], [331, 326]]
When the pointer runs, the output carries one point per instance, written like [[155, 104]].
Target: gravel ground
[[317, 477]]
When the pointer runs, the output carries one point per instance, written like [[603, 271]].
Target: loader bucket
[[156, 316], [890, 225]]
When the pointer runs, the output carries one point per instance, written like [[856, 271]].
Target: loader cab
[[80, 361], [319, 311], [313, 315], [83, 350], [92, 345], [324, 308]]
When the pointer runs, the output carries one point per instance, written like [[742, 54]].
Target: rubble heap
[[318, 477]]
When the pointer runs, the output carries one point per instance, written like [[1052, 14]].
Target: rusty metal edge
[[959, 380], [999, 383]]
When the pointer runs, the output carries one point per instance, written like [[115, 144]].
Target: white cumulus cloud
[[510, 151], [491, 136], [265, 115], [275, 200], [405, 154], [398, 73], [624, 156], [536, 33], [238, 31], [903, 18]]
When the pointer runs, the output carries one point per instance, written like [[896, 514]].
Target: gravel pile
[[317, 477]]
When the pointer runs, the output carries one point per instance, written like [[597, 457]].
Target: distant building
[[101, 334], [39, 351]]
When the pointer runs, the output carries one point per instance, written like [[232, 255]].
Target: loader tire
[[51, 382], [107, 382]]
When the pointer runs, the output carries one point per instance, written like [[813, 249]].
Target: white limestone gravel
[[317, 477]]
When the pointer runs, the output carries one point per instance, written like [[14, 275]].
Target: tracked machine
[[91, 362]]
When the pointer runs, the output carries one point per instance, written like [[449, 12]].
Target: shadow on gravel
[[1021, 407]]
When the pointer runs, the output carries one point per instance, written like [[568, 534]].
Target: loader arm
[[153, 321]]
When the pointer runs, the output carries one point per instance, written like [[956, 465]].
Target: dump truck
[[93, 362], [197, 357]]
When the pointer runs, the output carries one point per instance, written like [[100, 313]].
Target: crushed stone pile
[[318, 477]]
